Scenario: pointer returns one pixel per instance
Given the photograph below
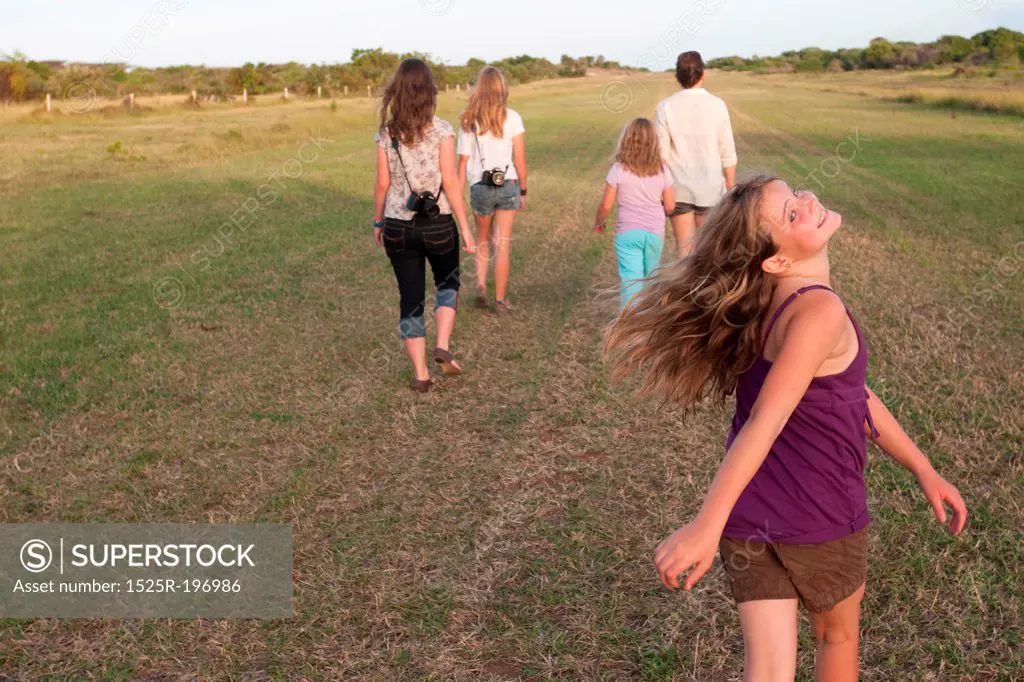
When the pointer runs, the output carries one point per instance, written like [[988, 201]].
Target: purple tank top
[[810, 488]]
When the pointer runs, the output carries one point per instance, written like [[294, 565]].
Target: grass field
[[154, 369], [991, 90]]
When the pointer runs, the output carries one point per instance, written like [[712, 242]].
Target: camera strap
[[395, 144], [480, 151]]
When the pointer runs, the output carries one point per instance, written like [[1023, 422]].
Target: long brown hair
[[697, 326], [638, 149], [488, 105], [407, 109]]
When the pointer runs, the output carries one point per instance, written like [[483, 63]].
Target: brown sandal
[[420, 385], [480, 297], [447, 362]]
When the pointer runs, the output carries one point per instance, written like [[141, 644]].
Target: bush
[[998, 46], [809, 65], [954, 48], [21, 79], [880, 54]]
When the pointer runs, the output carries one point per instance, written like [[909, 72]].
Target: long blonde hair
[[488, 105], [638, 148], [697, 326]]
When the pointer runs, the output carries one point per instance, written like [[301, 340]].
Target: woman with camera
[[492, 155], [416, 193]]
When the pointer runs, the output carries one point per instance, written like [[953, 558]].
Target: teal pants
[[639, 253]]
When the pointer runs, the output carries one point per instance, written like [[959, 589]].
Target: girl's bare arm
[[453, 190], [605, 207], [463, 163], [895, 442], [668, 200], [380, 191], [519, 157]]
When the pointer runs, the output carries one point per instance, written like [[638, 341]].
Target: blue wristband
[[379, 224]]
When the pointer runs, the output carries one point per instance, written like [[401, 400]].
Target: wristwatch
[[379, 224], [522, 191]]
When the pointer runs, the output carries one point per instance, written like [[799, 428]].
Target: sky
[[641, 33]]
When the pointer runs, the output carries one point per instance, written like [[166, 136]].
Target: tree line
[[996, 47], [23, 79]]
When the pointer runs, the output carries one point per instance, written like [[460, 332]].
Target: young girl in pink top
[[751, 311], [642, 184]]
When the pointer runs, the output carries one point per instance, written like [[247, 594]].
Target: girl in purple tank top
[[751, 312]]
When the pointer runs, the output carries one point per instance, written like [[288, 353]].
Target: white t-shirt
[[497, 153]]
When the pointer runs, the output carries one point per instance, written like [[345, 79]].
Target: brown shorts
[[819, 575]]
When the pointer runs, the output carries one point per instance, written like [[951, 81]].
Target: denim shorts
[[485, 200]]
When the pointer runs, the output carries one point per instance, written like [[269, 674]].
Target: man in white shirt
[[698, 147]]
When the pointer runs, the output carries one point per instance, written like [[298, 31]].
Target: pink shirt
[[640, 205]]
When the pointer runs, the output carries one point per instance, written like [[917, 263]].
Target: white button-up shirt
[[697, 143]]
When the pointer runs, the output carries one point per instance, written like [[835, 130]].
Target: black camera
[[494, 177], [423, 204]]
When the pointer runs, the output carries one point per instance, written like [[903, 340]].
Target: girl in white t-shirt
[[492, 156]]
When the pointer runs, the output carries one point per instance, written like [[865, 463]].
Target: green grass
[[503, 525], [998, 91]]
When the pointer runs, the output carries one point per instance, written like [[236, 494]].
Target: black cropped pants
[[410, 245]]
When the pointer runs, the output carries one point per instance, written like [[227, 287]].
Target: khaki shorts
[[819, 575]]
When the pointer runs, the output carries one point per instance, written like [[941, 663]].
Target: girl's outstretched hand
[[937, 491], [694, 545]]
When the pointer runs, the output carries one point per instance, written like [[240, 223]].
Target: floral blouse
[[422, 165]]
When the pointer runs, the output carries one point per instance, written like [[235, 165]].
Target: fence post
[[458, 87], [319, 91], [368, 91], [48, 106], [346, 91], [286, 93], [245, 95], [194, 99], [447, 87]]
